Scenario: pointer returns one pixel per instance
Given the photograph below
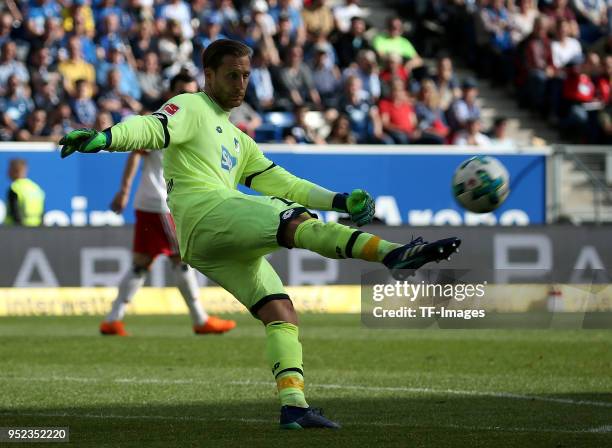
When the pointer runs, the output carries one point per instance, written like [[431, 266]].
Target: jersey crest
[[227, 160]]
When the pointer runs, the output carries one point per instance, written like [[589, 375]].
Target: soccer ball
[[481, 184]]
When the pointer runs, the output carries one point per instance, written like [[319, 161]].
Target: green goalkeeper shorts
[[228, 245]]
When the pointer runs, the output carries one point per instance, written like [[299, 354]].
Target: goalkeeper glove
[[83, 140], [359, 205]]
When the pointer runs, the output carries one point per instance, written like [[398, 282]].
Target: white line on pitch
[[421, 390], [602, 429]]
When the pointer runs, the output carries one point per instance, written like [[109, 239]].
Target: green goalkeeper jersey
[[204, 151]]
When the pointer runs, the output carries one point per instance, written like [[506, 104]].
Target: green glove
[[82, 140], [360, 207]]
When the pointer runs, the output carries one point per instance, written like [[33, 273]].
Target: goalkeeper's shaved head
[[227, 67]]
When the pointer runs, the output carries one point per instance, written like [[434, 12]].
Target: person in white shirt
[[471, 135], [155, 234], [343, 14], [564, 48]]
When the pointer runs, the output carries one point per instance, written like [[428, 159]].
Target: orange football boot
[[113, 329], [214, 325]]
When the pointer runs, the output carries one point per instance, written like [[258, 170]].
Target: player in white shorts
[[155, 234]]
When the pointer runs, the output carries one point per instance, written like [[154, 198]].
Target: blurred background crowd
[[321, 72]]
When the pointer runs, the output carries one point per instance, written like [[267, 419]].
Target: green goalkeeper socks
[[333, 240], [284, 353]]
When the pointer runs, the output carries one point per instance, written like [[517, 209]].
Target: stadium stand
[[68, 60]]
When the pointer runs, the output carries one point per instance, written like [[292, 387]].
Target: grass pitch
[[166, 387]]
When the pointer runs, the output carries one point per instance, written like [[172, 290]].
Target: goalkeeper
[[226, 234]]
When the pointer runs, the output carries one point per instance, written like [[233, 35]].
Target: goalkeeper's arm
[[270, 179]]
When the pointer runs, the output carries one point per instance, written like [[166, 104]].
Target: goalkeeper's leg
[[335, 240]]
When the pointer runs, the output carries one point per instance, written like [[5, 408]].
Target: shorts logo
[[171, 109], [227, 160], [287, 214]]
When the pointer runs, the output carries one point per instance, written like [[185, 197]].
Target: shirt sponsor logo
[[227, 160], [171, 109]]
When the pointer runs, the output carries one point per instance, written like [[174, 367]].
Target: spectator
[[499, 134], [75, 67], [61, 120], [344, 14], [113, 100], [9, 65], [229, 16], [211, 31], [25, 199], [53, 39], [175, 51], [327, 79], [498, 25], [116, 61], [564, 48], [296, 80], [88, 48], [36, 129], [366, 69], [106, 8], [521, 20], [301, 132], [262, 24], [560, 10], [363, 115], [397, 113], [38, 13], [393, 42], [341, 133], [471, 135], [6, 27], [111, 36], [432, 124], [178, 11], [393, 69], [283, 39], [592, 19], [318, 18], [41, 71], [538, 64], [284, 9], [245, 118], [465, 108], [181, 83], [145, 40], [83, 108], [46, 96], [78, 8], [446, 82], [16, 103], [349, 44], [578, 95], [150, 81], [260, 91]]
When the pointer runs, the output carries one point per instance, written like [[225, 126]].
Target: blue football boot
[[293, 417], [404, 260]]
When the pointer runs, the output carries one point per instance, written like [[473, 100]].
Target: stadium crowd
[[555, 56], [320, 73]]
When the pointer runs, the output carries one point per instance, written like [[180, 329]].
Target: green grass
[[166, 387]]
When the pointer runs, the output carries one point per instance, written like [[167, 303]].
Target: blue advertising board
[[411, 185]]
